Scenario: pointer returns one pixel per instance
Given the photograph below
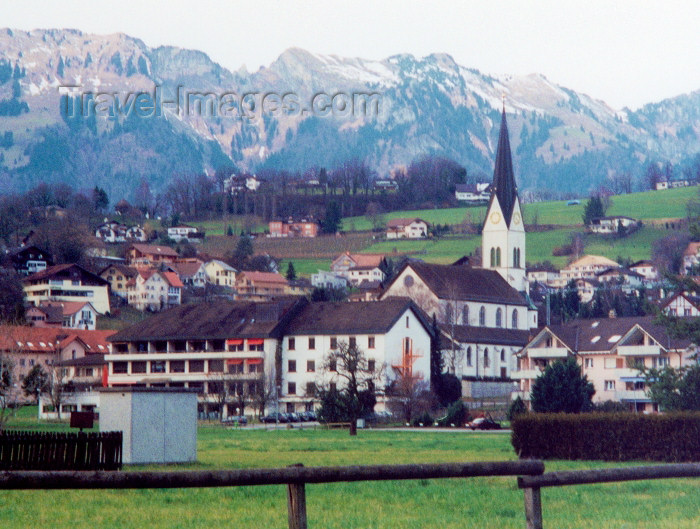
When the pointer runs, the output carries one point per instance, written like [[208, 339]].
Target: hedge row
[[608, 436]]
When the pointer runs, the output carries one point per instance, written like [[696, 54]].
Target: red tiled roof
[[400, 223], [264, 277], [154, 250], [30, 339], [172, 279]]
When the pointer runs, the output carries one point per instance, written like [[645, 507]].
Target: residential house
[[66, 314], [149, 255], [27, 347], [29, 260], [681, 304], [473, 193], [394, 336], [691, 259], [358, 267], [386, 184], [67, 282], [118, 276], [153, 290], [298, 287], [183, 232], [220, 273], [191, 272], [610, 353], [259, 286], [586, 288], [542, 275], [646, 269], [613, 225], [585, 267], [459, 296], [620, 277], [224, 349], [414, 228], [325, 279], [293, 228]]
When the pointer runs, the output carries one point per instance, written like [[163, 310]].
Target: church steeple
[[503, 186], [503, 234]]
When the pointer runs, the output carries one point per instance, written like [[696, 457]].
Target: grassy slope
[[486, 503]]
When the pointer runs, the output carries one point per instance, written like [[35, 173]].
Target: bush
[[449, 389], [425, 419], [457, 414], [607, 436], [610, 406], [517, 407]]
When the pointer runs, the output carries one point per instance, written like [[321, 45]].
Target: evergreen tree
[[562, 388], [291, 273], [333, 220], [594, 209], [437, 363]]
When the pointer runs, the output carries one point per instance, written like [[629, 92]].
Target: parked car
[[235, 419], [274, 417], [484, 423]]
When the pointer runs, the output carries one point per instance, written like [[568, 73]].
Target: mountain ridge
[[562, 140]]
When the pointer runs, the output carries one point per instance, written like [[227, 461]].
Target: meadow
[[482, 503]]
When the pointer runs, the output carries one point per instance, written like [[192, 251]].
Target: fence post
[[296, 504], [533, 507]]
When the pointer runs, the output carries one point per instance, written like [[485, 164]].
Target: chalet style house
[[610, 353], [67, 282]]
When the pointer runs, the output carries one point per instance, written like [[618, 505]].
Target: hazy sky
[[626, 53]]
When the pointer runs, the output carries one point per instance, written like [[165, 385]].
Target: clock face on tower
[[495, 217], [516, 218]]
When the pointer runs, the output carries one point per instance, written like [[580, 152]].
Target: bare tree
[[409, 397], [354, 375], [8, 393], [265, 391], [56, 387]]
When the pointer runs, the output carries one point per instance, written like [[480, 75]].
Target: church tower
[[503, 234]]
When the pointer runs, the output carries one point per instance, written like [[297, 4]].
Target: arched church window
[[465, 315], [514, 319], [499, 317], [493, 257], [498, 257], [482, 316], [469, 356], [487, 361], [449, 315]]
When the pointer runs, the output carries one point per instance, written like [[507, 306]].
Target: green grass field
[[484, 503]]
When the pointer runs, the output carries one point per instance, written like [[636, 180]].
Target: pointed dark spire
[[503, 177]]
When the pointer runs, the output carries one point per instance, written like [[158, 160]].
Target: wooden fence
[[533, 484], [531, 478], [60, 451]]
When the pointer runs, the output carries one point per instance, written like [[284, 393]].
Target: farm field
[[484, 503]]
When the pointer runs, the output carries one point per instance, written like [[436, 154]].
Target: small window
[[119, 367], [310, 366], [407, 322], [292, 366], [196, 366], [291, 344], [469, 356], [332, 365], [499, 317], [487, 361], [353, 341], [588, 362], [370, 366], [482, 316], [291, 388], [138, 367], [514, 320], [312, 343], [465, 315], [370, 342], [215, 366], [609, 385], [310, 389], [334, 342]]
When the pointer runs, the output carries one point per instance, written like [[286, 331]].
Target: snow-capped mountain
[[303, 110]]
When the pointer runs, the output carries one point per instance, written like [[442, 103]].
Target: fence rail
[[533, 484], [60, 451]]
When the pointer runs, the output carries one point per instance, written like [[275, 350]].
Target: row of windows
[[486, 357], [482, 316], [311, 343], [332, 366], [178, 366]]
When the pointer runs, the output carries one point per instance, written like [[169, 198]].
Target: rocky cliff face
[[305, 110]]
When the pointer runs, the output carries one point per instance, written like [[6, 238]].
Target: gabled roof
[[53, 271], [591, 260], [464, 283], [601, 335], [503, 187], [87, 360], [152, 249], [214, 320], [172, 279], [127, 271], [264, 277], [362, 259], [48, 339], [186, 269], [373, 317], [54, 314], [401, 223], [693, 300], [221, 264], [68, 308]]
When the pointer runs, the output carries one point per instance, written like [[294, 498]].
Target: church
[[484, 313]]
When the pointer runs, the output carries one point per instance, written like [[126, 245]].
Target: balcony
[[637, 394], [548, 352], [639, 350], [525, 373]]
